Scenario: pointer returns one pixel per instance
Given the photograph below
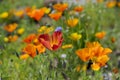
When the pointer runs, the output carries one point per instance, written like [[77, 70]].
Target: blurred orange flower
[[36, 14], [52, 42], [11, 27], [100, 35], [30, 50], [78, 8], [30, 38], [60, 7], [13, 38], [111, 4], [56, 16]]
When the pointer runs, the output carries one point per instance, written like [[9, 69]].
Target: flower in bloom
[[32, 50], [60, 7], [30, 38], [46, 10], [75, 36], [100, 35], [52, 42], [67, 46], [4, 15], [20, 31], [72, 22], [84, 54], [56, 16], [36, 14], [78, 9], [11, 27], [96, 53]]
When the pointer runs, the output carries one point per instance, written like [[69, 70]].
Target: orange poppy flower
[[78, 8], [56, 15], [30, 38], [40, 48], [100, 35], [36, 14], [11, 27], [30, 49], [60, 7], [52, 42], [96, 53], [101, 60], [84, 54], [97, 49]]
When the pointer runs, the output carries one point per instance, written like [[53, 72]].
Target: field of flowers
[[58, 41]]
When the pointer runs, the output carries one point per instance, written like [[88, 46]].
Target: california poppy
[[100, 35], [52, 42], [96, 53], [78, 8], [60, 7], [56, 16], [36, 14], [30, 38], [11, 27]]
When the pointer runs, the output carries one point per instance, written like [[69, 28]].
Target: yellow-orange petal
[[106, 51], [24, 56], [95, 66]]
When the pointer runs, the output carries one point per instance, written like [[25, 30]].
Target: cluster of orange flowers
[[96, 53], [33, 47], [36, 44], [11, 35]]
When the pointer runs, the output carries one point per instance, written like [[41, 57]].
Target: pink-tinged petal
[[45, 40], [57, 40], [52, 42]]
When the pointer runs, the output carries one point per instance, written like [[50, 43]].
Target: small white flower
[[63, 56]]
